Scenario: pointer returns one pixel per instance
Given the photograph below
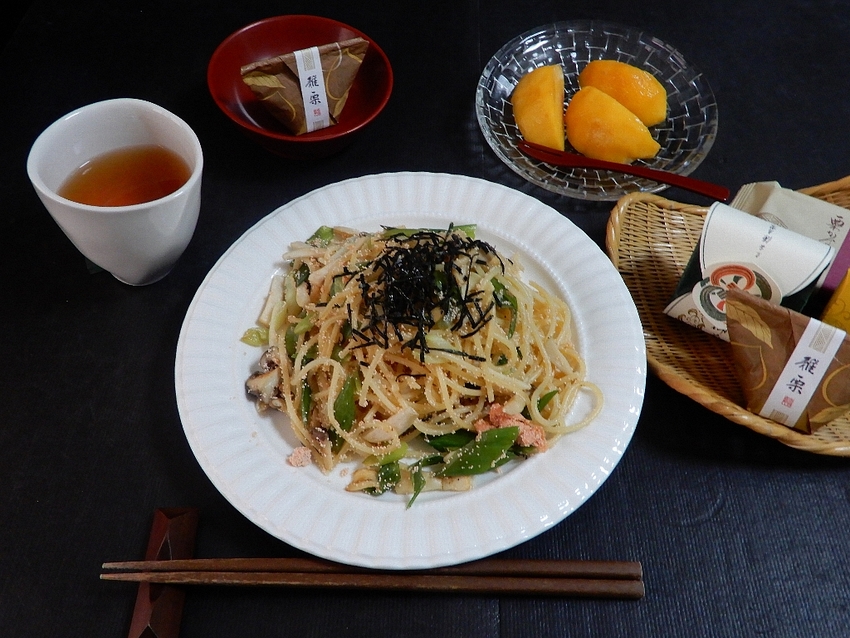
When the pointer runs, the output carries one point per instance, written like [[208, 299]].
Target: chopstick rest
[[159, 609]]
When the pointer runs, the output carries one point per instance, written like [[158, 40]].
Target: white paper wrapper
[[806, 215], [741, 251]]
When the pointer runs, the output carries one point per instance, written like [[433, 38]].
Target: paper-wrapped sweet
[[816, 218], [306, 90], [742, 252], [793, 369]]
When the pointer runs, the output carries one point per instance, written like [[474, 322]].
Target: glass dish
[[685, 137]]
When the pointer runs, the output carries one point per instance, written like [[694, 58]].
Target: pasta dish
[[422, 353]]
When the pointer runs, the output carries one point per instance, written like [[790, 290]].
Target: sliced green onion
[[344, 404], [543, 401], [311, 353], [388, 477], [418, 477], [466, 229], [450, 441], [304, 324], [306, 401], [337, 286], [301, 275], [256, 336], [389, 474], [374, 460], [323, 233], [418, 481], [505, 299], [290, 341]]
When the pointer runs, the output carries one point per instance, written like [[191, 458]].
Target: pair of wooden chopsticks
[[601, 579]]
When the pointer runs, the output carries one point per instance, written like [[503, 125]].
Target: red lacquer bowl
[[283, 34]]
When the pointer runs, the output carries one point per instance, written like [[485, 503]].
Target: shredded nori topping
[[418, 280]]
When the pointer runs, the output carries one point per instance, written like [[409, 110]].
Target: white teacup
[[140, 243]]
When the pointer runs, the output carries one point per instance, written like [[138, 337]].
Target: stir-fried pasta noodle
[[421, 352]]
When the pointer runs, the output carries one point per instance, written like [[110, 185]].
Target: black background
[[738, 534]]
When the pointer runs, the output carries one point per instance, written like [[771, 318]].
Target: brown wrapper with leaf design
[[763, 337], [274, 82]]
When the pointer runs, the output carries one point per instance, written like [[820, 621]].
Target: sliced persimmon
[[598, 126], [636, 89], [538, 103]]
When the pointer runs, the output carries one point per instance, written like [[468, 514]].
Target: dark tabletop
[[738, 534]]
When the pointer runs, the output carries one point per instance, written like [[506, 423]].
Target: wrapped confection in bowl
[[276, 36]]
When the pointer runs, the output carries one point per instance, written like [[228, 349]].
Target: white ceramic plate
[[685, 136], [244, 453]]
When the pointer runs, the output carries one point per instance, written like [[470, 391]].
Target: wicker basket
[[650, 240]]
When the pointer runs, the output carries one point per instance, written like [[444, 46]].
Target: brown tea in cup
[[127, 176]]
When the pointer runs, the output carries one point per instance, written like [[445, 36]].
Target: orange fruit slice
[[599, 126], [538, 103], [636, 89]]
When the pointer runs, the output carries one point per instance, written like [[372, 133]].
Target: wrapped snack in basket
[[821, 220], [739, 251], [793, 369]]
